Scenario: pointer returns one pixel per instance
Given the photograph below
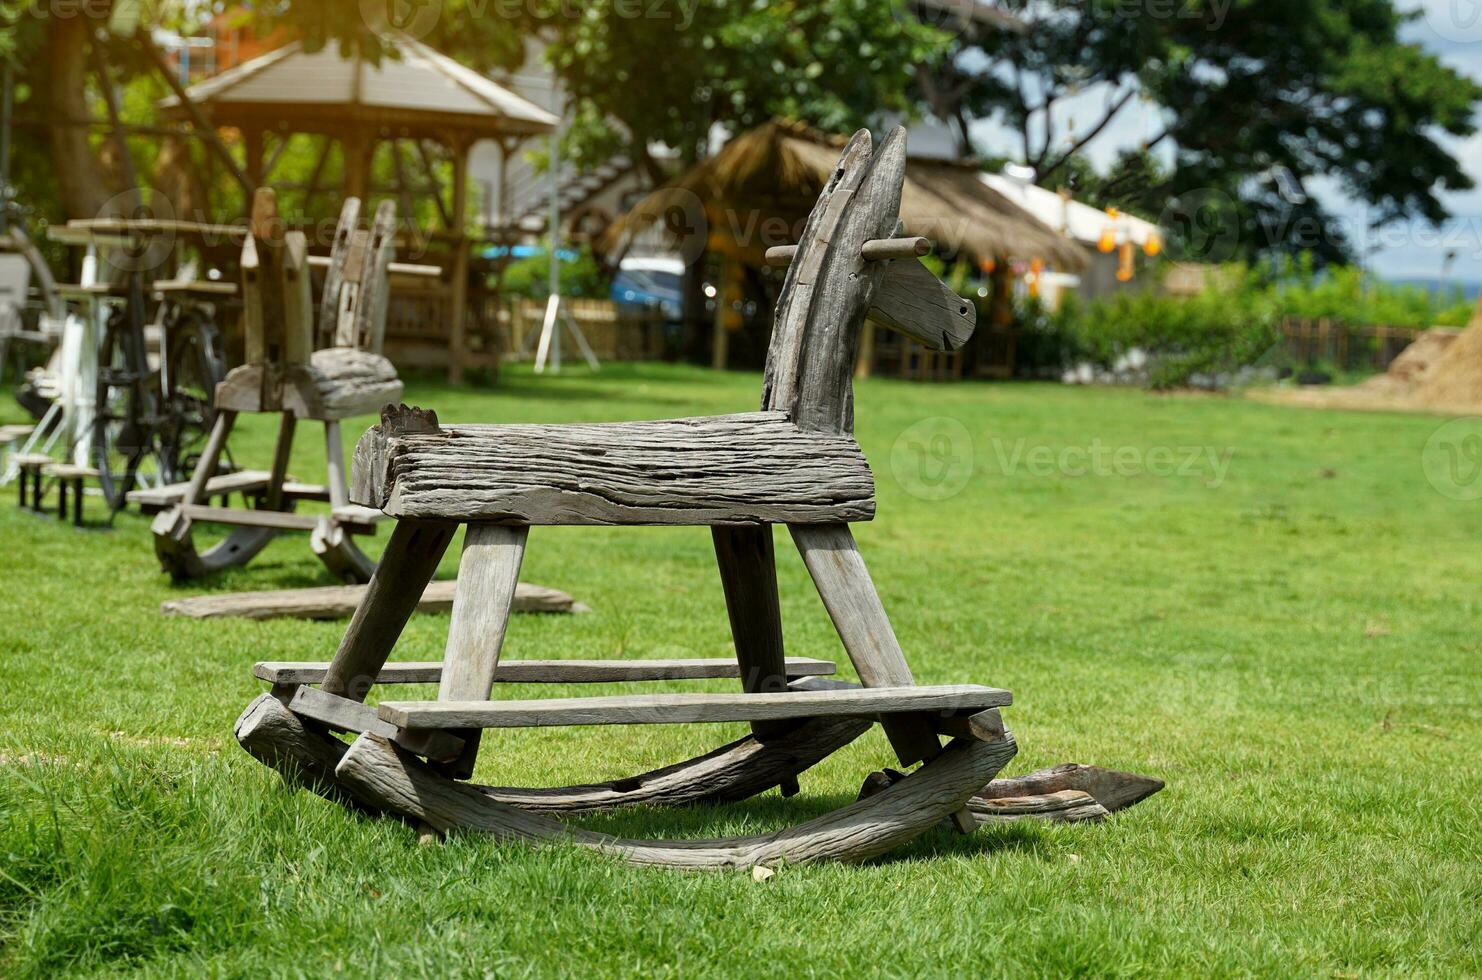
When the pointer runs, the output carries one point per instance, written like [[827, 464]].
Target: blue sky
[[1452, 29]]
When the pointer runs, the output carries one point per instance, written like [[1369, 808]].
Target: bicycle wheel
[[194, 366], [123, 426]]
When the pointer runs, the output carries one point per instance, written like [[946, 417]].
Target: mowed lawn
[[1271, 609]]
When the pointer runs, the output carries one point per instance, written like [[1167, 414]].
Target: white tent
[[1068, 216]]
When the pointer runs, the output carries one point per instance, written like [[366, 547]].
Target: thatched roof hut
[[757, 191]]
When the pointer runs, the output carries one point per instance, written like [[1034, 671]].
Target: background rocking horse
[[794, 462], [298, 372]]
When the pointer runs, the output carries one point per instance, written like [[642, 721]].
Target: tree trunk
[[81, 180]]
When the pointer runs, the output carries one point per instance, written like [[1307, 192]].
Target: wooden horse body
[[298, 371], [794, 462]]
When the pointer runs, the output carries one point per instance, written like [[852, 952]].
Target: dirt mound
[[1441, 369], [1455, 380], [1415, 362]]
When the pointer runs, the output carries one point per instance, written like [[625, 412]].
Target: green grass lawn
[[1271, 609]]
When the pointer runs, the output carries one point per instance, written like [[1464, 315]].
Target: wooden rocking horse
[[794, 462], [298, 373]]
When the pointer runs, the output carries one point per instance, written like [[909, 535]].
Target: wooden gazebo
[[412, 95]]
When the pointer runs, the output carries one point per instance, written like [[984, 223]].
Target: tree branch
[[1095, 131]]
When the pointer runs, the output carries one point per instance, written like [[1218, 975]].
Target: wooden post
[[358, 152], [252, 138], [748, 573], [458, 312], [720, 347]]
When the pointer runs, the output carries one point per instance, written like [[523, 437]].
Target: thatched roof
[[757, 191]]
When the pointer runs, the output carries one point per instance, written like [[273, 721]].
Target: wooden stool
[[30, 467], [65, 474]]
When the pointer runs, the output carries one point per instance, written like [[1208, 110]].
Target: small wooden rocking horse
[[794, 462], [299, 374]]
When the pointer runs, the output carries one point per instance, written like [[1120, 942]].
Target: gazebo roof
[[413, 89]]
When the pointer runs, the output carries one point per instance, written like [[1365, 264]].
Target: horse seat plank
[[32, 460], [671, 709], [340, 602], [170, 494], [750, 468], [338, 382], [153, 499], [546, 671]]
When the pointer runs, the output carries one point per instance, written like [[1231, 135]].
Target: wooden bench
[[70, 475], [29, 467]]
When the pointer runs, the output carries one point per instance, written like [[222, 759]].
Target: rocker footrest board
[[668, 709], [277, 519], [547, 671]]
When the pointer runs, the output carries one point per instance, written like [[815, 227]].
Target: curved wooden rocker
[[285, 374], [794, 462]]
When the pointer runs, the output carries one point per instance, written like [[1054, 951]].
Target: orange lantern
[[1126, 262]]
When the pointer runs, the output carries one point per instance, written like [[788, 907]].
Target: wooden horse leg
[[487, 574], [210, 456], [406, 567], [273, 496], [748, 573], [849, 595], [330, 541]]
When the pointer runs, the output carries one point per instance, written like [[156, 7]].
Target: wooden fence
[[1350, 348]]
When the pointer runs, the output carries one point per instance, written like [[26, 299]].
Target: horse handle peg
[[874, 250]]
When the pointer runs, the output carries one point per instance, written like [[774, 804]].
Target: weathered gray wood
[[340, 382], [790, 322], [487, 573], [669, 709], [731, 469], [1064, 806], [353, 716], [298, 301], [278, 475], [838, 570], [375, 285], [251, 517], [1112, 789], [334, 273], [150, 499], [546, 671], [378, 770], [842, 293], [339, 602], [914, 302], [985, 726], [407, 565], [748, 575], [334, 454], [735, 771], [279, 739], [874, 250]]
